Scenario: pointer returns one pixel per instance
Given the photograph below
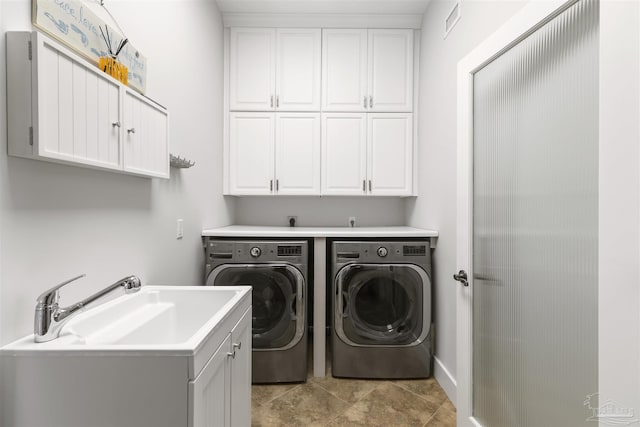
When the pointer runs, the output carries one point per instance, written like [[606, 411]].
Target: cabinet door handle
[[116, 124], [370, 101], [237, 345], [271, 185], [232, 355], [365, 102], [277, 101], [271, 101], [364, 185], [369, 186], [132, 130], [277, 185]]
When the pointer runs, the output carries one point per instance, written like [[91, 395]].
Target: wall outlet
[[352, 221], [179, 229], [292, 221]]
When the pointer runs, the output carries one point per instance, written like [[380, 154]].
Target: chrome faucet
[[50, 317]]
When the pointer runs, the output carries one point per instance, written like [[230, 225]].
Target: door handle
[[369, 186], [370, 101], [271, 101], [364, 185], [277, 101], [132, 130], [462, 277], [271, 185], [365, 102], [237, 345], [116, 124]]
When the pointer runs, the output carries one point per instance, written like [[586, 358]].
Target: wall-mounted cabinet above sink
[[64, 109]]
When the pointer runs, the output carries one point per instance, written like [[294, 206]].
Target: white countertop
[[260, 231]]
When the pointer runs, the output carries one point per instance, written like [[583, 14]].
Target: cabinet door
[[391, 70], [390, 154], [344, 70], [298, 70], [344, 153], [298, 153], [252, 69], [241, 372], [146, 137], [78, 110], [251, 153], [210, 392]]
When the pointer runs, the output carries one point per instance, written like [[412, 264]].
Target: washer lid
[[278, 312], [382, 304]]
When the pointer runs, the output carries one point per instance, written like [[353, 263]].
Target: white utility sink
[[145, 347]]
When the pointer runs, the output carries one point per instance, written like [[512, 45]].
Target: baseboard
[[446, 381]]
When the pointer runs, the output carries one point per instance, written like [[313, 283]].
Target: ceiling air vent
[[289, 250], [452, 19]]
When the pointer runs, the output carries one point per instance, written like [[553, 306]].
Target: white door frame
[[531, 17]]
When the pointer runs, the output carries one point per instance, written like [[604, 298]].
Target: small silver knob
[[255, 252], [382, 251]]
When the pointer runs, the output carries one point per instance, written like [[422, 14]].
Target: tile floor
[[346, 402]]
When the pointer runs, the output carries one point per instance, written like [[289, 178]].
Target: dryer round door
[[382, 304], [278, 316]]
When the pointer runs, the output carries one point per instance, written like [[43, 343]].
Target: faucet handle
[[51, 296]]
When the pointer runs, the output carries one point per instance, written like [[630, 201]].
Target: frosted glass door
[[535, 227]]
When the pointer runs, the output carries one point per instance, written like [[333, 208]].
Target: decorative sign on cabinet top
[[77, 26]]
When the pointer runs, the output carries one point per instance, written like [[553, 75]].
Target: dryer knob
[[382, 251], [255, 252]]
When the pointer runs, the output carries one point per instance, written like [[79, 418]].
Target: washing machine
[[381, 323], [278, 273]]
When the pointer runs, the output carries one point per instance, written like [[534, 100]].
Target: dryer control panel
[[415, 252]]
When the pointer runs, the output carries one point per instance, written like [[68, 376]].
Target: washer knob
[[382, 251], [255, 252]]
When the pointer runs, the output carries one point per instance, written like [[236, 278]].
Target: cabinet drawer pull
[[115, 124], [132, 130]]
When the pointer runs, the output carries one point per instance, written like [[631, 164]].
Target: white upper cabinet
[[251, 153], [145, 128], [65, 110], [344, 70], [298, 154], [252, 69], [367, 70], [274, 154], [344, 154], [390, 70], [274, 69], [298, 70], [390, 154]]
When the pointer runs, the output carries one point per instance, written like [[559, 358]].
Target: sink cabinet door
[[210, 392], [241, 372]]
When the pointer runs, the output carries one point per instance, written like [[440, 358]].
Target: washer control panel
[[255, 252], [382, 251]]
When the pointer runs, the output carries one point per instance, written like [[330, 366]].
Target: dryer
[[381, 293], [277, 271]]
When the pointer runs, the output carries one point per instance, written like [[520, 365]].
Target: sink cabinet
[[64, 109], [221, 394], [205, 381]]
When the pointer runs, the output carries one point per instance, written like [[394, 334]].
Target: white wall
[[58, 221], [435, 206], [321, 211]]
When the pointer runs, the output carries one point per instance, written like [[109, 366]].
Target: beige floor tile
[[388, 405], [306, 405], [263, 393], [429, 389], [349, 390], [444, 417]]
